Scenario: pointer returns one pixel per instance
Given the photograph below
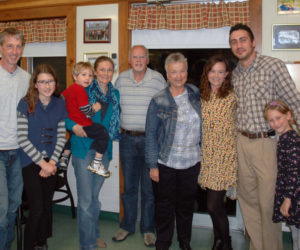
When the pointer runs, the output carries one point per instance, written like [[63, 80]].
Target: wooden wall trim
[[71, 44], [124, 45], [256, 22]]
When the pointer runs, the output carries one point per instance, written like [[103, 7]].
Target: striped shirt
[[135, 97], [30, 149], [185, 151], [264, 80]]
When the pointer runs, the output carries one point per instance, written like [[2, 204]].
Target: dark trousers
[[100, 135], [175, 195], [39, 193]]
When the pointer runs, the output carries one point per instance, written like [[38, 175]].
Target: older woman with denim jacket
[[173, 153]]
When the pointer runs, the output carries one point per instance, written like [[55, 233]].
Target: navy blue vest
[[42, 125]]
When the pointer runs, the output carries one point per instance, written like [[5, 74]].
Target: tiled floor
[[65, 237]]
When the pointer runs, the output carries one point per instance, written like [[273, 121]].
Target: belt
[[133, 133], [254, 135]]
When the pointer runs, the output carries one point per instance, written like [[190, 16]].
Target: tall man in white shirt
[[13, 86], [137, 86]]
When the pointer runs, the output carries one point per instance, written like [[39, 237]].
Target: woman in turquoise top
[[88, 183]]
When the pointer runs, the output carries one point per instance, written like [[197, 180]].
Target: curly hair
[[32, 96], [205, 87]]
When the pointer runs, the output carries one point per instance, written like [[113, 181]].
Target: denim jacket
[[161, 123]]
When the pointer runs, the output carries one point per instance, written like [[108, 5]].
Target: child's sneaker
[[92, 167], [98, 169], [102, 171], [64, 162]]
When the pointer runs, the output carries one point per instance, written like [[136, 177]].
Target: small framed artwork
[[288, 6], [97, 30], [91, 57], [286, 37]]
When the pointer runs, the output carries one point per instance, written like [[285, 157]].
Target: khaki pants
[[257, 174]]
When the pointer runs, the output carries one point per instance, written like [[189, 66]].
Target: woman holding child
[[88, 183]]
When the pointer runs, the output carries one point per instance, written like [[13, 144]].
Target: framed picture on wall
[[97, 30], [286, 37], [91, 57], [288, 6]]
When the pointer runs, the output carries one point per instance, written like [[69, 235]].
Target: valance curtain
[[188, 16], [40, 30]]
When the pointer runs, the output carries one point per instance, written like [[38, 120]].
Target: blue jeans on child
[[88, 207], [11, 187]]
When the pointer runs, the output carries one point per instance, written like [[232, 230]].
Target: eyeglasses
[[139, 57], [44, 82]]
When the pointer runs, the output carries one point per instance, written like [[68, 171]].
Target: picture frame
[[286, 37], [91, 57], [97, 30], [288, 7]]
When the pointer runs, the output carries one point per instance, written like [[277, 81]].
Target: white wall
[[109, 195], [45, 49], [270, 17], [97, 12]]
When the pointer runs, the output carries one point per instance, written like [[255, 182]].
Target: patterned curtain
[[188, 16], [40, 30]]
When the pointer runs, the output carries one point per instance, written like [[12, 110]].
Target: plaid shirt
[[185, 151], [264, 80]]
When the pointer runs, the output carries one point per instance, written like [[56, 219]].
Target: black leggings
[[216, 209]]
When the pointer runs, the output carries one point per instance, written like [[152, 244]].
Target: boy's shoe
[[102, 171], [92, 167], [99, 169], [64, 162]]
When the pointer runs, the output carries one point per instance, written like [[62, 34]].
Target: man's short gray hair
[[175, 57], [141, 46], [12, 32]]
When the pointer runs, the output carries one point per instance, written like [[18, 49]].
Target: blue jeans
[[135, 172], [11, 187], [88, 207]]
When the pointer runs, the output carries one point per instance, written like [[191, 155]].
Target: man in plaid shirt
[[257, 80]]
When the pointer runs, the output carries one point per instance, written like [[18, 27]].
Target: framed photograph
[[91, 57], [288, 6], [286, 37], [97, 30]]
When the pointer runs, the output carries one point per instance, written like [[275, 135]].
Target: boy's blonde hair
[[282, 108], [78, 67]]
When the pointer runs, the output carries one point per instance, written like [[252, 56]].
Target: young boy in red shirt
[[80, 111]]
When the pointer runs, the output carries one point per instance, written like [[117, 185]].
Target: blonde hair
[[282, 108], [78, 67]]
